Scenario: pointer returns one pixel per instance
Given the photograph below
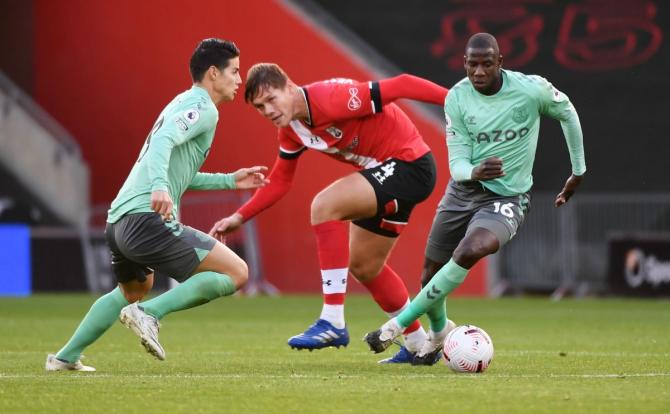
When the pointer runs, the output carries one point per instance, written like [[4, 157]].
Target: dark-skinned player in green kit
[[493, 124]]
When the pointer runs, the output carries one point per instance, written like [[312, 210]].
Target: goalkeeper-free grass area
[[573, 356]]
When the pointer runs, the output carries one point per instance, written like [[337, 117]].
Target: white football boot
[[431, 351], [145, 326], [55, 364]]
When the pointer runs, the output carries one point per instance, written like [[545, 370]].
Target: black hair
[[483, 41], [211, 52]]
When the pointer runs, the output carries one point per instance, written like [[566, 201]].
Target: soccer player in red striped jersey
[[357, 123]]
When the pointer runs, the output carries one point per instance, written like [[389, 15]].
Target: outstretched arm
[[279, 182], [411, 87], [242, 179], [340, 99]]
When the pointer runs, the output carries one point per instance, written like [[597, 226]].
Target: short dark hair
[[483, 41], [261, 76], [211, 52]]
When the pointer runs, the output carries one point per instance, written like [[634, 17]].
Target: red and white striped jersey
[[348, 122]]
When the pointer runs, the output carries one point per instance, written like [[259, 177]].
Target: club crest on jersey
[[519, 114], [354, 101], [336, 132], [192, 116]]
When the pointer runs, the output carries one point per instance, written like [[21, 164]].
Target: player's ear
[[213, 72], [500, 60]]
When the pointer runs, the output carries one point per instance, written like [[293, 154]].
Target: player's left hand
[[568, 190], [253, 177]]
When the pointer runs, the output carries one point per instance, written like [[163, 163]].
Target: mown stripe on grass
[[64, 375]]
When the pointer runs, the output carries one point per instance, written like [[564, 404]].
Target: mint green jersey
[[173, 153], [507, 125]]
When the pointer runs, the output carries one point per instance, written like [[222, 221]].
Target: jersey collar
[[202, 92], [505, 81], [305, 96]]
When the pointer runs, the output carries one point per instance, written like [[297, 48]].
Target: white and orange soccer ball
[[468, 348]]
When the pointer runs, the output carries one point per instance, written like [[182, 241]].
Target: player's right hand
[[488, 169], [225, 226], [161, 203]]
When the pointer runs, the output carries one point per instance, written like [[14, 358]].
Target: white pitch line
[[446, 375], [586, 353]]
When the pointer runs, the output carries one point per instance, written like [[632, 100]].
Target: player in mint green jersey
[[142, 231], [493, 123]]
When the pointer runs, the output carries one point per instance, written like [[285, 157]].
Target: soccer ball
[[468, 348]]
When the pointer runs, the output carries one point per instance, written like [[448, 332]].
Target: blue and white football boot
[[403, 356], [321, 334]]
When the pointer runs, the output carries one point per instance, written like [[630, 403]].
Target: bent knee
[[321, 211], [239, 273], [135, 295], [134, 291], [471, 252]]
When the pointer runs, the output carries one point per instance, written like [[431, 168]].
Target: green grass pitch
[[573, 356]]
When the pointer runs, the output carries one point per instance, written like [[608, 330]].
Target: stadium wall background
[[105, 70], [612, 58]]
